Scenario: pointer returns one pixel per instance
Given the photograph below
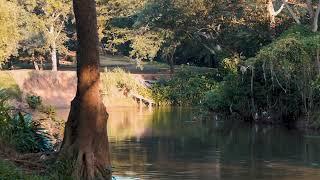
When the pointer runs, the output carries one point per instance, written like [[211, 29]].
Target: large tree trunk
[[85, 140]]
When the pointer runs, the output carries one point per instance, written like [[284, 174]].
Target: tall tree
[[10, 33], [55, 14], [50, 17], [85, 140]]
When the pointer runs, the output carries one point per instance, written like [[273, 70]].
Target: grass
[[110, 62], [9, 171], [7, 82], [118, 79]]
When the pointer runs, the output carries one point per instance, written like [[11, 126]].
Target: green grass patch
[[9, 171], [7, 82]]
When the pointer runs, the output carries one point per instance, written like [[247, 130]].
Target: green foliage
[[8, 172], [33, 28], [9, 30], [62, 169], [278, 85], [27, 135], [8, 83], [227, 95], [183, 31], [184, 88], [20, 130], [33, 101]]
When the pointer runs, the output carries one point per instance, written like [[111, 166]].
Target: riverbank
[[168, 143], [31, 104], [58, 88]]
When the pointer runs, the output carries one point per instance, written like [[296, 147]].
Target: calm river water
[[167, 144]]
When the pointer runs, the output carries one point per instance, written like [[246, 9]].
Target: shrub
[[20, 130], [33, 101], [9, 171], [230, 95], [276, 85], [186, 88]]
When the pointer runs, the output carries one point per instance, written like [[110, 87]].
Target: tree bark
[[316, 19], [318, 60], [295, 17], [272, 16], [36, 66], [85, 140], [53, 50], [171, 60], [310, 9]]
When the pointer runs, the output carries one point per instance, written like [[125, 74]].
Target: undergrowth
[[20, 130], [10, 172], [119, 80]]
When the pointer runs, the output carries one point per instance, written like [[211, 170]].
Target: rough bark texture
[[85, 140], [316, 18], [53, 51]]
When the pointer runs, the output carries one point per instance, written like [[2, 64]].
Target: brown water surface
[[167, 144]]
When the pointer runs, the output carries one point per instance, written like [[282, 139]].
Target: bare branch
[[276, 13]]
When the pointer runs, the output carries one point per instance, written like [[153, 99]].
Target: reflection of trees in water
[[167, 140], [126, 123]]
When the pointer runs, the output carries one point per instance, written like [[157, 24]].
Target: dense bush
[[278, 85], [33, 101], [20, 130], [186, 87], [228, 95]]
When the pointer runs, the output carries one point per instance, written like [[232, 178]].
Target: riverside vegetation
[[261, 60], [280, 85]]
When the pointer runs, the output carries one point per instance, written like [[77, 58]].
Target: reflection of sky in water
[[123, 178], [168, 144]]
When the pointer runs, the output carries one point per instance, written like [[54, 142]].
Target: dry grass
[[8, 82]]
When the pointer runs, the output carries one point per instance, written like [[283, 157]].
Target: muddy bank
[[55, 88], [58, 88]]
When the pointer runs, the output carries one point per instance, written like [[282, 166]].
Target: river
[[168, 144]]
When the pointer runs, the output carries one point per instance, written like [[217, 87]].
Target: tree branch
[[276, 13], [316, 19], [60, 30], [296, 18], [310, 8]]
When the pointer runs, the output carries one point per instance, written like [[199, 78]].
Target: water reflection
[[168, 144]]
